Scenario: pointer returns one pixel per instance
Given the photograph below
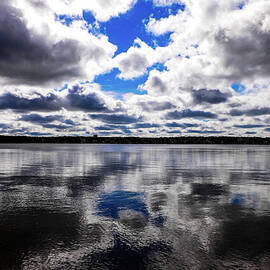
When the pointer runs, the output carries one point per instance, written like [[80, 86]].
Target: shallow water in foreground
[[134, 207]]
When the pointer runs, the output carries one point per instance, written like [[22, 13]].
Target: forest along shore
[[136, 140]]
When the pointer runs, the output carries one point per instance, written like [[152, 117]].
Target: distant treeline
[[137, 140]]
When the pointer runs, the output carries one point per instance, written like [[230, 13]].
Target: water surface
[[134, 207]]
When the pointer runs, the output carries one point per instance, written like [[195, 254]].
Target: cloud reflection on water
[[134, 207]]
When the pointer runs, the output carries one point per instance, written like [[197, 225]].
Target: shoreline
[[134, 140]]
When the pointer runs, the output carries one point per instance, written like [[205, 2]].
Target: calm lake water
[[134, 207]]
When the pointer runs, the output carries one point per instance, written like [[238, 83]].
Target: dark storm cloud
[[115, 118], [40, 103], [189, 114], [209, 96], [251, 112], [249, 126]]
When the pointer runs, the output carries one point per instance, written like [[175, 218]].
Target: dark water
[[134, 207]]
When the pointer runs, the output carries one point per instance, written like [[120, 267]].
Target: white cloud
[[102, 10]]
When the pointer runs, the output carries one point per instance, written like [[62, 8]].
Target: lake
[[134, 207]]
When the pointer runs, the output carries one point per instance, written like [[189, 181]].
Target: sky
[[135, 67]]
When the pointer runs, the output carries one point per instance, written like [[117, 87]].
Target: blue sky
[[135, 68], [122, 31]]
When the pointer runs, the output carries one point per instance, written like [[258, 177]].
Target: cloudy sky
[[135, 67]]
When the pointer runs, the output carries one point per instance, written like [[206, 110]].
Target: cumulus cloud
[[87, 98], [213, 46], [136, 60], [35, 102], [224, 43], [102, 10], [38, 50]]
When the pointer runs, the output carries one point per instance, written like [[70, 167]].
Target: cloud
[[156, 106], [167, 2], [249, 126], [174, 132], [215, 44], [39, 119], [37, 102], [56, 127], [115, 118], [205, 131], [101, 10], [189, 114], [146, 125], [209, 96], [87, 98], [251, 112], [45, 52], [182, 125], [49, 121]]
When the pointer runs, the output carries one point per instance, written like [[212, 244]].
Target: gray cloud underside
[[40, 103], [205, 131], [248, 55], [36, 118], [184, 125], [29, 58], [115, 118], [250, 112], [209, 96], [249, 126], [75, 100], [145, 126], [47, 121], [189, 114]]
